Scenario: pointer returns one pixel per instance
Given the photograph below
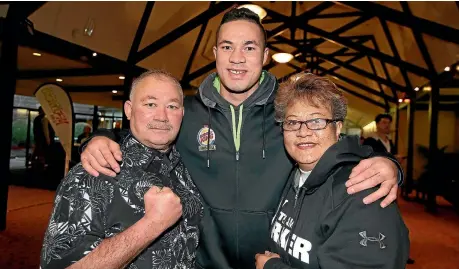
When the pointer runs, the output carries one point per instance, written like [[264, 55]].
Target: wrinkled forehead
[[159, 88]]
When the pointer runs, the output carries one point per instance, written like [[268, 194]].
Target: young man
[[234, 149], [148, 215], [380, 141]]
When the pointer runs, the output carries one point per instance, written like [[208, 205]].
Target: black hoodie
[[240, 186], [318, 225]]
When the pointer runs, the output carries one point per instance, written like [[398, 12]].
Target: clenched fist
[[162, 207]]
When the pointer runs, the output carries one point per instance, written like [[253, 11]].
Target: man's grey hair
[[158, 74]]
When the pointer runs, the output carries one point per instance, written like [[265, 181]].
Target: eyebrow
[[225, 42], [148, 97], [250, 42], [313, 114]]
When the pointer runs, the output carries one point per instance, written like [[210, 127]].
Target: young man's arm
[[71, 241]]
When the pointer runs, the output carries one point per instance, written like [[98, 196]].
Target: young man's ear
[[265, 55], [128, 109]]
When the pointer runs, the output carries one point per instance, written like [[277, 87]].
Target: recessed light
[[114, 91], [121, 77], [457, 67], [400, 100], [447, 68], [59, 80], [256, 9], [282, 57], [416, 89], [94, 54], [36, 54], [427, 89], [406, 100]]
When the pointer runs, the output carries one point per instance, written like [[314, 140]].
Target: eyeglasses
[[312, 124]]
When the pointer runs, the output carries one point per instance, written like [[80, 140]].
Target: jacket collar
[[136, 154]]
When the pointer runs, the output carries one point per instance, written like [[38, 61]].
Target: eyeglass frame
[[305, 122]]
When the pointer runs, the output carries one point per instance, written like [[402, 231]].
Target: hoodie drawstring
[[208, 138], [263, 128]]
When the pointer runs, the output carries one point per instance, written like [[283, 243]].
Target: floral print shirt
[[89, 209]]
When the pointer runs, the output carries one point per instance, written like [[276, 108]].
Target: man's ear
[[265, 55], [214, 49], [128, 109]]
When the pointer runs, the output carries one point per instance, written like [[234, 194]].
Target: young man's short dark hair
[[383, 116], [242, 14]]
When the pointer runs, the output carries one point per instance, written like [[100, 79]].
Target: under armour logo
[[366, 238]]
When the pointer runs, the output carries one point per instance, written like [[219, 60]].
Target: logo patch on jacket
[[204, 139]]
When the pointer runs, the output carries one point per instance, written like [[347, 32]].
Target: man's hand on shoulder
[[101, 156], [373, 172]]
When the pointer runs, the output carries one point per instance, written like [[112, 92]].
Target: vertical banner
[[58, 107]]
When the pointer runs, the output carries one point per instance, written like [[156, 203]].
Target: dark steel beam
[[140, 31], [365, 50], [420, 41], [361, 96], [8, 68], [433, 144], [196, 45], [182, 30], [26, 8], [372, 65], [350, 67], [425, 26], [76, 72], [53, 45], [359, 85]]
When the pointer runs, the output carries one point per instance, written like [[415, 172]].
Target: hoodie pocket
[[253, 234]]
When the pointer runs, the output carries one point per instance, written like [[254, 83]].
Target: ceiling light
[[416, 89], [447, 68], [114, 91], [282, 57], [427, 89], [121, 77], [406, 100], [59, 80], [256, 9], [36, 54], [457, 67], [94, 54], [400, 100]]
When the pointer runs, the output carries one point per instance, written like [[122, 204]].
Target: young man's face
[[240, 55], [383, 126]]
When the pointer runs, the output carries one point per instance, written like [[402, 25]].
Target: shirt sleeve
[[75, 227], [363, 236]]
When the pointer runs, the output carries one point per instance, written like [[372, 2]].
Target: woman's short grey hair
[[315, 90], [157, 74]]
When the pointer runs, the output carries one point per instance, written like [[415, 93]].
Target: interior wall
[[448, 135]]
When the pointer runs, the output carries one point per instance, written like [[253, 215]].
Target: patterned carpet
[[434, 239]]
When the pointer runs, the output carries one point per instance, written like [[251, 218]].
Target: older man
[[145, 217]]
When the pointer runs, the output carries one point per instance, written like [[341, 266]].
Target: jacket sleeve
[[115, 136], [363, 236], [210, 250], [74, 229], [276, 263]]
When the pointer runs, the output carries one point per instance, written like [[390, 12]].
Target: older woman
[[317, 224]]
